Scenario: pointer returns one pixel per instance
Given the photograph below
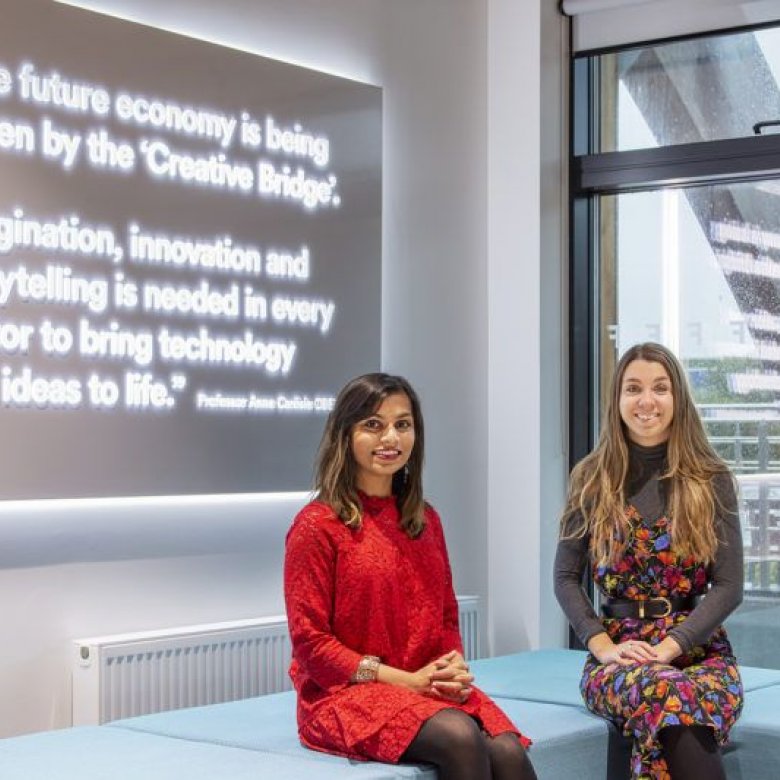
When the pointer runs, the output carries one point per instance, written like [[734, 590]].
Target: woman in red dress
[[377, 655]]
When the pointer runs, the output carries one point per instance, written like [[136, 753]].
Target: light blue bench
[[567, 741], [257, 737], [105, 753], [553, 676]]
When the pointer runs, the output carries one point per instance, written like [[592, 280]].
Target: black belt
[[647, 609]]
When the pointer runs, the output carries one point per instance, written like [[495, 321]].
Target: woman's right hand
[[422, 680], [430, 680]]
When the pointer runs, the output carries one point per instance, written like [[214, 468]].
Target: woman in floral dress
[[654, 511], [377, 654]]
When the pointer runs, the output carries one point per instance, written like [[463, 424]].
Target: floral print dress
[[701, 687]]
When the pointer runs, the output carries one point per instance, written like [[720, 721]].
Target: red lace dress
[[372, 591]]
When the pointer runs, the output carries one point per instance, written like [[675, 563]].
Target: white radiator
[[124, 675], [469, 619]]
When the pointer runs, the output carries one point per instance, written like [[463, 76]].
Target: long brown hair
[[597, 482], [335, 475]]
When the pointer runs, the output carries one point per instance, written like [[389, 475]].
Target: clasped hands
[[633, 651], [447, 677]]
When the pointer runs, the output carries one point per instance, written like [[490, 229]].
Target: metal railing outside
[[747, 437]]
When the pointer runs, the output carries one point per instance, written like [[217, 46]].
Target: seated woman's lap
[[643, 698]]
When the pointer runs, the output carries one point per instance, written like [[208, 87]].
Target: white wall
[[526, 326], [450, 304], [513, 322]]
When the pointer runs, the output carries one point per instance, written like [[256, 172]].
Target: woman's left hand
[[452, 660]]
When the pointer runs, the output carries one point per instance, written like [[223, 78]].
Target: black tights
[[454, 743], [692, 753]]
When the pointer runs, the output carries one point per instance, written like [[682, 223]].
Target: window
[[704, 89], [676, 238]]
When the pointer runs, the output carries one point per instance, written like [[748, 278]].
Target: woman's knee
[[508, 758], [461, 731], [449, 735], [672, 689]]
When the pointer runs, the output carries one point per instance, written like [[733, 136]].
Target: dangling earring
[[406, 473]]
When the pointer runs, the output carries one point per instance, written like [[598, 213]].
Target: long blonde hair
[[597, 482], [335, 474]]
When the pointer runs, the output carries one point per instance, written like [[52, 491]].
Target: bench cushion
[[264, 724], [550, 676], [564, 738], [568, 742], [99, 753], [754, 752], [754, 678]]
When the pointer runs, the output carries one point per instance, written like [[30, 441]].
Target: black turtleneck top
[[646, 492]]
